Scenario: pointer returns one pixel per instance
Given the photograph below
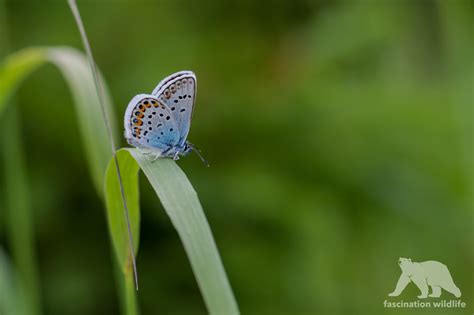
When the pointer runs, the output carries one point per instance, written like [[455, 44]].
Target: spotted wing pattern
[[178, 92], [150, 124]]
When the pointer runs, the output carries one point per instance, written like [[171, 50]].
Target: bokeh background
[[339, 135]]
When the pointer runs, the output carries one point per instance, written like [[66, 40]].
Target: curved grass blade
[[184, 209], [75, 69], [13, 71]]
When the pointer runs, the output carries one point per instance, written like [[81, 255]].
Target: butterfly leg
[[154, 156], [150, 155], [145, 151]]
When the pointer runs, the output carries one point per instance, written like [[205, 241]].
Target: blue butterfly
[[158, 123]]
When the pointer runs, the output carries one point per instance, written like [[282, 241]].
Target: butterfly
[[158, 123]]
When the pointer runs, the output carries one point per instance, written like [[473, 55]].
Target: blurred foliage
[[339, 135]]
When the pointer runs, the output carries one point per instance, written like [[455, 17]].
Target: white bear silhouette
[[423, 274]]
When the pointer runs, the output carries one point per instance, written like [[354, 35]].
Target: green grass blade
[[12, 300], [18, 212], [15, 69], [116, 219], [117, 223], [182, 205], [75, 68], [106, 118], [19, 215]]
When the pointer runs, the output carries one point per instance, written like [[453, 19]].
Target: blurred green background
[[339, 135]]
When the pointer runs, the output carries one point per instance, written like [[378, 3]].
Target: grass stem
[[100, 92]]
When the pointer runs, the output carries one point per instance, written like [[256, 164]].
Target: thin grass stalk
[[101, 95]]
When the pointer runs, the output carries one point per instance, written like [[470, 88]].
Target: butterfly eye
[[178, 84], [167, 93], [173, 88], [155, 104], [184, 81], [147, 104], [141, 107]]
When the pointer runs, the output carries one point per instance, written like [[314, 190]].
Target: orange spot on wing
[[138, 123]]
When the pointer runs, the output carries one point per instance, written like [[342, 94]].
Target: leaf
[[16, 68], [115, 211], [182, 205], [76, 70], [19, 223]]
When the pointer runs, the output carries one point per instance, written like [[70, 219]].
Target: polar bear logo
[[423, 274]]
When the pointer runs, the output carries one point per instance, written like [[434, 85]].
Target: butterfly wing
[[178, 92], [150, 124]]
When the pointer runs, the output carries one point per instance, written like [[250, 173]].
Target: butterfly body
[[158, 123]]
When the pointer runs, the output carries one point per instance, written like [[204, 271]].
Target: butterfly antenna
[[198, 152], [100, 94]]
